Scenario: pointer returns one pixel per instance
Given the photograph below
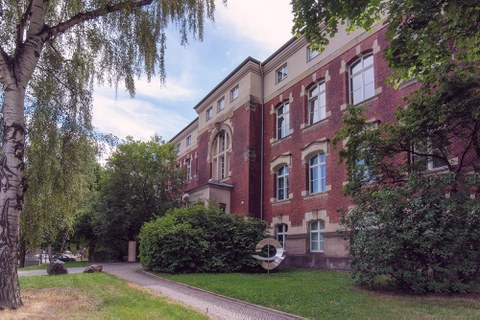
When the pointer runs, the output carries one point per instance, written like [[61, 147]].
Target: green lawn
[[70, 264], [94, 296], [330, 295]]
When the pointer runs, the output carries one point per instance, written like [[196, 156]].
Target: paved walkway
[[214, 305]]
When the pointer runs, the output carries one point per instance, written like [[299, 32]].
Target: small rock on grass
[[93, 268], [57, 267]]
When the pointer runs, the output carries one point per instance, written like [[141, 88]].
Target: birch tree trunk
[[12, 186]]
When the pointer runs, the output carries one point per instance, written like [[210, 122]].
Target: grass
[[319, 294], [70, 264], [92, 296]]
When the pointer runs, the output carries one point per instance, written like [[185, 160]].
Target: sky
[[243, 28]]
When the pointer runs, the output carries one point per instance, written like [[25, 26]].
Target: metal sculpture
[[270, 263]]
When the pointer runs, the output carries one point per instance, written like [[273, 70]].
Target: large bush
[[200, 239], [416, 236]]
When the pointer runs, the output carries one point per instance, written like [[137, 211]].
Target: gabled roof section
[[184, 129], [230, 75]]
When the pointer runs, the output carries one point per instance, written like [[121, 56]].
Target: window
[[220, 156], [209, 113], [318, 173], [362, 81], [282, 234], [234, 93], [188, 164], [282, 183], [221, 104], [177, 147], [283, 121], [311, 54], [188, 141], [281, 73], [316, 103], [432, 158], [316, 236], [364, 172]]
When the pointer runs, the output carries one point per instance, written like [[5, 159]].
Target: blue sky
[[244, 28]]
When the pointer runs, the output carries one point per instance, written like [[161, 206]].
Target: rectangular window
[[318, 173], [311, 54], [316, 236], [316, 103], [362, 80], [283, 183], [234, 93], [221, 104], [281, 73], [177, 147], [429, 157], [283, 120], [282, 230], [209, 113], [188, 164], [189, 141]]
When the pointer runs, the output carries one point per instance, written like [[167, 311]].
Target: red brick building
[[262, 142]]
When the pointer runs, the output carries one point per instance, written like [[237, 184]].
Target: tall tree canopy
[[415, 181], [428, 37], [72, 43], [140, 183]]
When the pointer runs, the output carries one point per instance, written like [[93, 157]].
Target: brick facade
[[254, 156]]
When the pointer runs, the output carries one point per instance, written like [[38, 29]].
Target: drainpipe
[[262, 88]]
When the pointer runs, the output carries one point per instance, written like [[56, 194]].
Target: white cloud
[[266, 22], [171, 91], [141, 119]]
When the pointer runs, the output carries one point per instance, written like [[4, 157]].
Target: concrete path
[[211, 304]]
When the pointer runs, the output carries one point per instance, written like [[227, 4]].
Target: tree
[[76, 40], [200, 239], [141, 182], [427, 38], [406, 223]]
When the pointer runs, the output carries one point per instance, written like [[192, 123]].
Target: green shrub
[[200, 239], [415, 236]]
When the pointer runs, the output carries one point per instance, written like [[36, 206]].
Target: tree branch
[[22, 24], [51, 32]]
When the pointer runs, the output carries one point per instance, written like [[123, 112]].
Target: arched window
[[317, 173], [362, 80], [283, 120], [282, 183], [316, 103], [281, 231], [316, 235], [220, 160]]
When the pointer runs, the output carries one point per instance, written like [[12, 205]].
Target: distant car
[[64, 258]]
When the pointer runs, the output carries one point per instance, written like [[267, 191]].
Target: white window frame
[[188, 165], [234, 93], [281, 73], [430, 164], [312, 54], [321, 173], [281, 231], [317, 229], [317, 103], [282, 183], [282, 120], [188, 140], [209, 113], [221, 104], [365, 95], [177, 147], [220, 160]]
